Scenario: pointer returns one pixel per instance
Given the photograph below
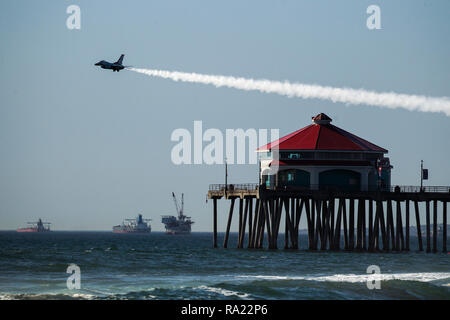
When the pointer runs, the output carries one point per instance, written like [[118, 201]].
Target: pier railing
[[394, 189], [232, 187], [413, 189]]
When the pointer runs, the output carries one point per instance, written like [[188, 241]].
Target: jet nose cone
[[97, 64]]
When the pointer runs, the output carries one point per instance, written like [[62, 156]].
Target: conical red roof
[[322, 135]]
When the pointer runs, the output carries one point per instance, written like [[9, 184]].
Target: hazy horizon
[[85, 148]]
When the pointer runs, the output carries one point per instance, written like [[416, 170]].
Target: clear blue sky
[[84, 147]]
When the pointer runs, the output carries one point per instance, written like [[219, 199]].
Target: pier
[[340, 185], [336, 218]]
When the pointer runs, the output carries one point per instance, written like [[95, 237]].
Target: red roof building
[[322, 155]]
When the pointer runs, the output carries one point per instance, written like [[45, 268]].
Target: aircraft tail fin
[[120, 59]]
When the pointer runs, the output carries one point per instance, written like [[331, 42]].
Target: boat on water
[[180, 224], [137, 225], [37, 226]]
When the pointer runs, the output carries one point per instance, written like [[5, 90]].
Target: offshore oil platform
[[137, 225], [37, 226], [180, 224]]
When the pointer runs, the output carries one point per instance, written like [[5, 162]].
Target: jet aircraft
[[116, 66]]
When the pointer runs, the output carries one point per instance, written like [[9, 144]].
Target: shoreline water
[[158, 266]]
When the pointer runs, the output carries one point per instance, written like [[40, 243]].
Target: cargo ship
[[180, 224], [137, 225], [37, 226]]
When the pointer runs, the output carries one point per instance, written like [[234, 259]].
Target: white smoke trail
[[307, 91]]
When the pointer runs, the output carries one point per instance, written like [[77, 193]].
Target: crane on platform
[[177, 207]]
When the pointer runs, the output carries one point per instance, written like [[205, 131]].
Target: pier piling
[[215, 223], [428, 226], [435, 226], [230, 216], [407, 224], [444, 222]]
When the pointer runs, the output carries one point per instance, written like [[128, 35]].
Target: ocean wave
[[355, 278], [46, 296], [224, 292]]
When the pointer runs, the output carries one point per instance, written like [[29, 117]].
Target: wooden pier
[[381, 218]]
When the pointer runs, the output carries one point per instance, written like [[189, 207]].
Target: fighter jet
[[116, 66]]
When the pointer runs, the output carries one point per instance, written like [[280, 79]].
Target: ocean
[[159, 266]]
